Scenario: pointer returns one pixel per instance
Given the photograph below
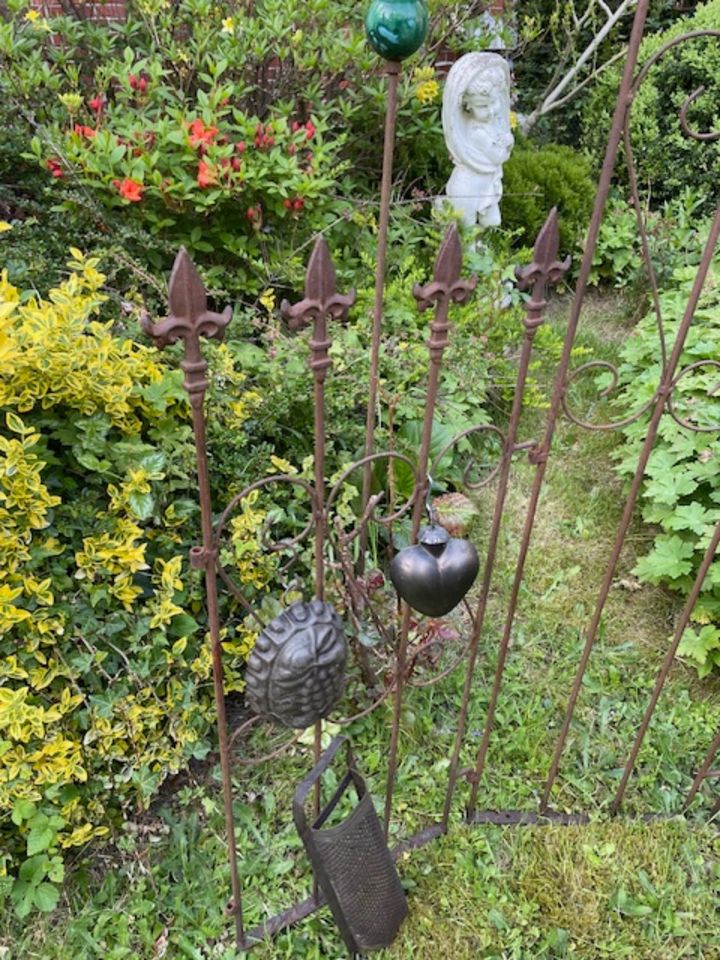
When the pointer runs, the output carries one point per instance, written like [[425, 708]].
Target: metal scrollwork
[[711, 392]]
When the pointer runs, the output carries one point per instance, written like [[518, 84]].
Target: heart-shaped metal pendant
[[435, 574]]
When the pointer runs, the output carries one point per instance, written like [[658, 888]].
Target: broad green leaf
[[668, 560], [46, 897]]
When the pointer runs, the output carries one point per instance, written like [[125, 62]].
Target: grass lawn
[[614, 888]]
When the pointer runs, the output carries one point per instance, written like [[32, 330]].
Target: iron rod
[[703, 771], [479, 618], [392, 69], [446, 285], [198, 418], [667, 664], [628, 511]]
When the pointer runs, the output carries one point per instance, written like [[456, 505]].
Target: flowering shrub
[[237, 133], [104, 668]]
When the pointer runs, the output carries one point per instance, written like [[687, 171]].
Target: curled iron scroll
[[604, 365], [374, 502], [707, 137], [712, 392], [468, 483], [597, 365], [286, 544]]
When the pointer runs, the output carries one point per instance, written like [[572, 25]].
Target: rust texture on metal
[[544, 270], [188, 320], [392, 68], [445, 288]]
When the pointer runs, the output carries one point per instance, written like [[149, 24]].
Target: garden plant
[[240, 133]]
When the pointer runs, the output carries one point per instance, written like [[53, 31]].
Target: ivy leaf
[[669, 559]]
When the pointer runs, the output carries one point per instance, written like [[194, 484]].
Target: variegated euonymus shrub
[[104, 662]]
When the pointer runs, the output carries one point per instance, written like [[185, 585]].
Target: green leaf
[[668, 560], [697, 646], [22, 897], [41, 835], [15, 424], [46, 897], [142, 505], [154, 465], [670, 486], [22, 810], [183, 625], [691, 516]]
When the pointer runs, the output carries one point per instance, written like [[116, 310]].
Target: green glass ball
[[396, 28]]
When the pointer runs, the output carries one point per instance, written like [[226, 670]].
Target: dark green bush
[[667, 160], [538, 178]]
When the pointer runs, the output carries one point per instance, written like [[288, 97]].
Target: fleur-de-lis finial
[[188, 319], [446, 286], [321, 301], [545, 269], [446, 282]]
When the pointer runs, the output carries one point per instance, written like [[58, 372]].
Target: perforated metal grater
[[351, 861]]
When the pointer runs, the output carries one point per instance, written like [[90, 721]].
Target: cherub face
[[477, 101], [484, 99]]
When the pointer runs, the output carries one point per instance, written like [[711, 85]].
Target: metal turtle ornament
[[296, 671], [434, 575]]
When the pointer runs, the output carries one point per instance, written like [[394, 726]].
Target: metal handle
[[304, 788]]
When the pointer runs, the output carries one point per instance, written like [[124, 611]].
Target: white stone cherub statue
[[476, 123]]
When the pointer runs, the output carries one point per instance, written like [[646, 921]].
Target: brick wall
[[117, 9], [112, 10]]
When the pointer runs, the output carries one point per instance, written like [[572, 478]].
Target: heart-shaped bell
[[435, 574]]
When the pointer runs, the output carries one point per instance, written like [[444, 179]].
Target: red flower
[[131, 190], [292, 149], [97, 104], [252, 213], [200, 134], [205, 175], [287, 203], [310, 130], [296, 126], [298, 203], [54, 167], [240, 147], [236, 164], [137, 83], [84, 131]]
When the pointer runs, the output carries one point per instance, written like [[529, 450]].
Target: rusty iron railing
[[189, 319]]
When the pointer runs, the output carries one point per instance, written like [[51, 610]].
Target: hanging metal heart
[[435, 574]]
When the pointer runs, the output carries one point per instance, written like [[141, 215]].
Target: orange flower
[[84, 131], [130, 190], [200, 134], [205, 175]]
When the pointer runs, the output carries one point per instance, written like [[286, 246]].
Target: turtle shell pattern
[[296, 671]]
